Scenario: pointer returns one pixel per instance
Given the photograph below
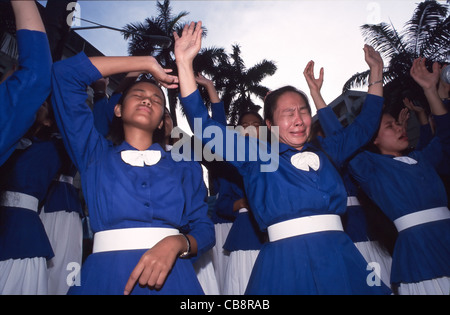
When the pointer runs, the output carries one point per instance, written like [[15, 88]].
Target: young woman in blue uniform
[[23, 93], [410, 192], [139, 199], [299, 203], [355, 221], [24, 183]]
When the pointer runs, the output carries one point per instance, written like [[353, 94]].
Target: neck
[[138, 138], [394, 153]]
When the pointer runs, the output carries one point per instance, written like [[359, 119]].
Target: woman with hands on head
[[299, 203], [146, 210], [410, 192]]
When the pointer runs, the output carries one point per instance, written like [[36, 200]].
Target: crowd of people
[[317, 224]]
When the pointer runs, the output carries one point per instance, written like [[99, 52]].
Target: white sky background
[[290, 32]]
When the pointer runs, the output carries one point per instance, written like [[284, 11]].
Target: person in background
[[27, 88]]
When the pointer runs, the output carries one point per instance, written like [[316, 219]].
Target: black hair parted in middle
[[116, 132], [271, 100]]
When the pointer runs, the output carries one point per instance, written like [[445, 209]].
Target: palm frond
[[384, 38], [261, 70], [427, 16]]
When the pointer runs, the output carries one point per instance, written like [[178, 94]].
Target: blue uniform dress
[[421, 252], [62, 218], [245, 233], [317, 263], [355, 221], [28, 171], [165, 195], [23, 93]]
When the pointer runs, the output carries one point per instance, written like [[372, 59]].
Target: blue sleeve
[[223, 142], [226, 199], [70, 79], [426, 135], [344, 143], [218, 113], [199, 224], [104, 113], [329, 121], [438, 150], [23, 93], [361, 167]]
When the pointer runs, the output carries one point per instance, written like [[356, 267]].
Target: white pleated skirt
[[440, 286], [373, 253], [221, 256], [206, 275], [24, 276], [238, 272], [65, 232]]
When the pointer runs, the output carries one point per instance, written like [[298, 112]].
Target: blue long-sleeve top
[[400, 188], [168, 194], [23, 93], [287, 192]]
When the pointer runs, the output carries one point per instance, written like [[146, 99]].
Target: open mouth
[[404, 137]]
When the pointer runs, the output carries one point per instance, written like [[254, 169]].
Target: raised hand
[[162, 77], [189, 44], [315, 85], [423, 77], [373, 58], [186, 49]]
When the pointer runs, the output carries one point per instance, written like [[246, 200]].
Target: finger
[[198, 32], [161, 279], [152, 278], [322, 74], [133, 278]]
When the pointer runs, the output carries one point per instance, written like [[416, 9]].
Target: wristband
[[377, 82], [187, 252]]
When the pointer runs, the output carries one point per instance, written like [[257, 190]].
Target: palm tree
[[426, 34], [239, 84], [163, 25]]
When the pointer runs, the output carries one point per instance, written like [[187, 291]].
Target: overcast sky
[[290, 32]]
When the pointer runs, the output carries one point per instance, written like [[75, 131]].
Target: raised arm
[[186, 49], [217, 106], [25, 90], [70, 80], [429, 81], [27, 16]]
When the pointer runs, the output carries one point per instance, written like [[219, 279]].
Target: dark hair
[[250, 113], [271, 100], [116, 132]]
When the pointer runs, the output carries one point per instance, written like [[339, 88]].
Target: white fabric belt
[[65, 179], [243, 210], [19, 200], [421, 217], [130, 239], [305, 225], [353, 201]]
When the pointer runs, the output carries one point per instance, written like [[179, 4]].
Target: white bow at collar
[[306, 161], [141, 158], [406, 159]]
